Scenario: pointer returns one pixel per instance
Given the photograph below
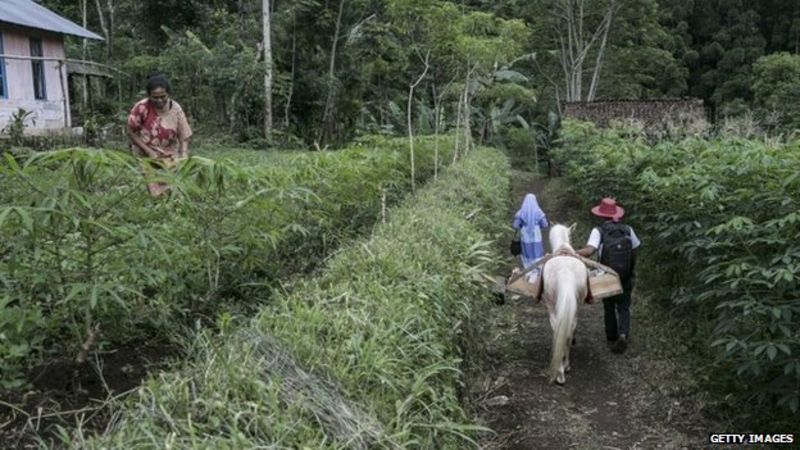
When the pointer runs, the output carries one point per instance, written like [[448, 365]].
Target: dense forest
[[338, 69]]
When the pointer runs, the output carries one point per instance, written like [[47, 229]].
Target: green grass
[[367, 355], [83, 244]]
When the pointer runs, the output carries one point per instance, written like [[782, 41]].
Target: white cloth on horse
[[533, 275]]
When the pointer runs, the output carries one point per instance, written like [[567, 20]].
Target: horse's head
[[559, 236]]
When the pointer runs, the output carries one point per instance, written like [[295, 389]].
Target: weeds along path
[[609, 401]]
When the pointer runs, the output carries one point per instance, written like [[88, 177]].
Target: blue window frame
[[3, 83], [37, 65]]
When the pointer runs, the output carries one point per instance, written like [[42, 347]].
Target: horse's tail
[[566, 314]]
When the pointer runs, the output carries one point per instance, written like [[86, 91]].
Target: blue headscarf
[[530, 213], [530, 219]]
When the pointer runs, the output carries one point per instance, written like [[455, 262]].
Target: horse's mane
[[559, 237]]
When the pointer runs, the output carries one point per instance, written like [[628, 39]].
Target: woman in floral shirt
[[158, 128]]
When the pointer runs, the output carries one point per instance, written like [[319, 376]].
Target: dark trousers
[[617, 311]]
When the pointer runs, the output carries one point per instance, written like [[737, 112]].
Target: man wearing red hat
[[616, 244]]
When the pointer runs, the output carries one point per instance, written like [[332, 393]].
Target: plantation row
[[87, 255], [366, 355], [723, 220]]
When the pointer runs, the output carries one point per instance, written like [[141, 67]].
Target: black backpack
[[617, 251]]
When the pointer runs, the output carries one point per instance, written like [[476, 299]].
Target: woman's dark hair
[[155, 81]]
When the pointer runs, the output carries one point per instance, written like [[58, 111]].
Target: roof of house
[[87, 68], [26, 13]]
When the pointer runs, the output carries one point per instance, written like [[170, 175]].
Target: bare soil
[[61, 393], [636, 400]]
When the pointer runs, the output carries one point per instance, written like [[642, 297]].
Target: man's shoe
[[620, 345]]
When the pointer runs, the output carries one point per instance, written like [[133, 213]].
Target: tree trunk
[[467, 127], [327, 119], [458, 129], [265, 10], [467, 124], [232, 115], [84, 79], [575, 43], [103, 27], [410, 128], [291, 78], [109, 44], [600, 53], [436, 104]]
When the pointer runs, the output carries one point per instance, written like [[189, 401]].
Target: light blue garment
[[530, 219]]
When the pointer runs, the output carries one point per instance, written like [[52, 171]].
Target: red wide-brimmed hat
[[608, 208]]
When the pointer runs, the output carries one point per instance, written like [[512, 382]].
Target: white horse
[[565, 285]]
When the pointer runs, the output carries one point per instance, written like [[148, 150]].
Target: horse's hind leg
[[563, 366], [560, 378], [571, 340], [552, 312]]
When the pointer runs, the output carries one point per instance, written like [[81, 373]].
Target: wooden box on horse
[[604, 284], [518, 284]]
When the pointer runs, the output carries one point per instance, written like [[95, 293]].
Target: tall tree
[[411, 88], [267, 43], [578, 26], [107, 30], [84, 52], [328, 119], [640, 56]]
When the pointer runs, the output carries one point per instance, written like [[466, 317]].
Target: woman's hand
[[149, 150], [183, 153]]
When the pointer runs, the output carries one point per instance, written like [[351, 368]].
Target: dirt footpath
[[609, 401]]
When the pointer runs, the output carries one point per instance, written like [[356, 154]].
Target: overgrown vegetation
[[87, 254], [365, 356], [343, 68], [17, 123], [722, 219]]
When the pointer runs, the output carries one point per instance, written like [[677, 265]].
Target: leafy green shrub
[[727, 213], [521, 145], [17, 124], [20, 334], [67, 247], [365, 356], [776, 90], [84, 245]]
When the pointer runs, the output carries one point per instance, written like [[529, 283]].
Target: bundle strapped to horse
[[603, 280]]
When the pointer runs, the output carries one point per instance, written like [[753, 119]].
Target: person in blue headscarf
[[529, 220]]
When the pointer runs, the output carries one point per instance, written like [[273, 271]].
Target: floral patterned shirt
[[164, 131]]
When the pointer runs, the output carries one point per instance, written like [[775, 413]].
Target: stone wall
[[652, 115]]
